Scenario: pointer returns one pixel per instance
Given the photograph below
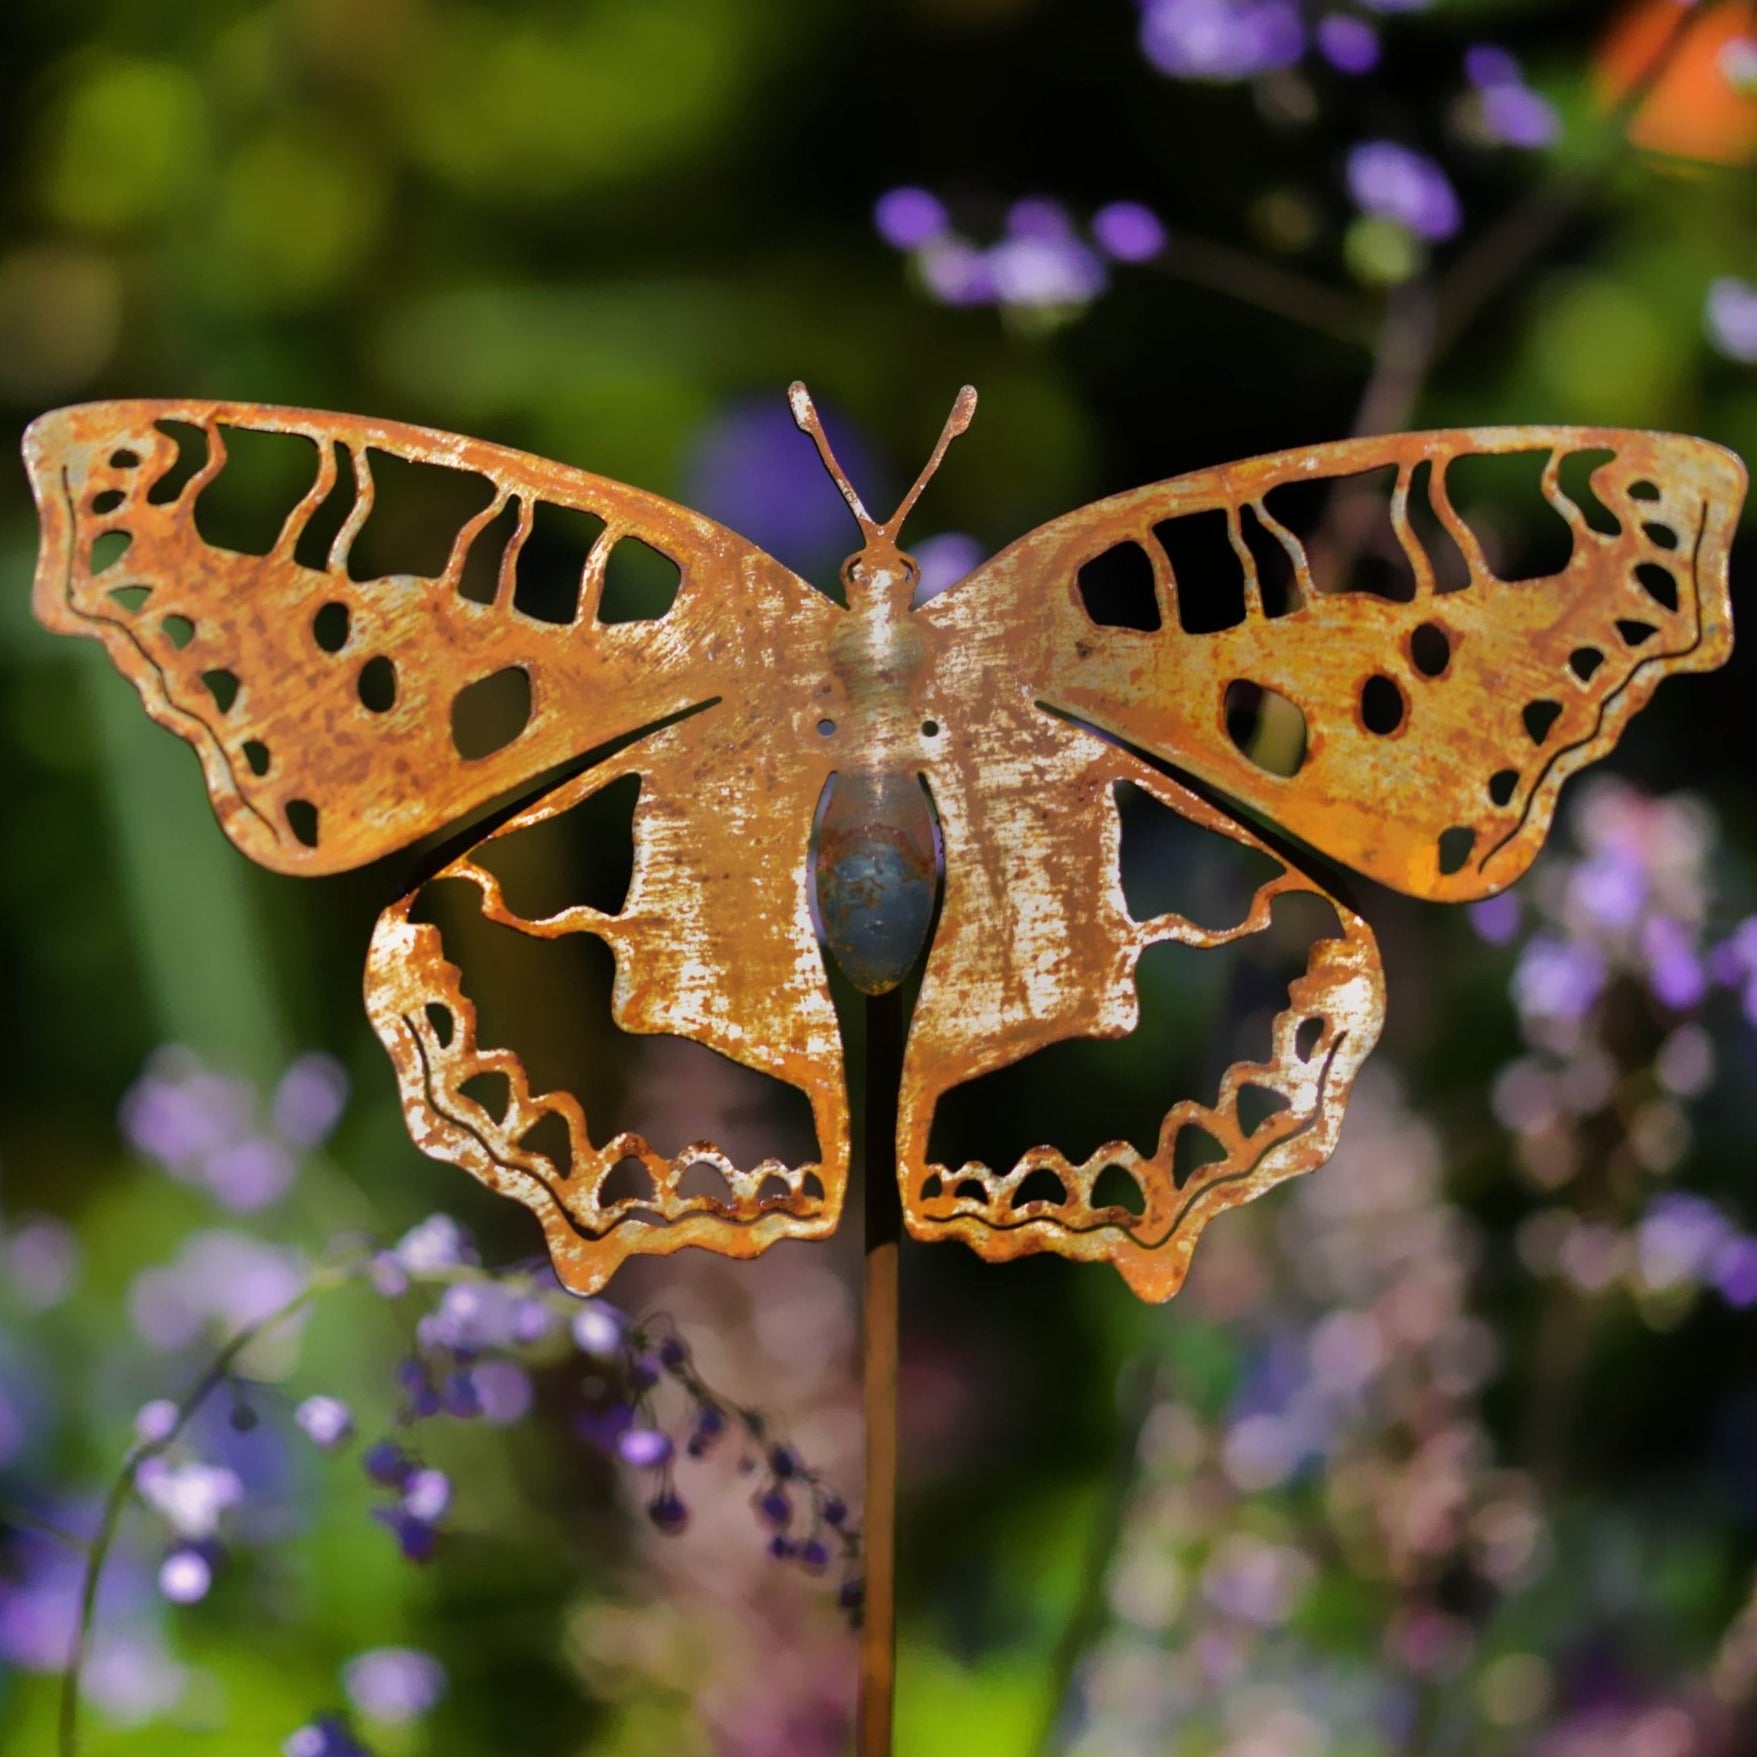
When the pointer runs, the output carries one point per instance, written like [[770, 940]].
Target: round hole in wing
[[1430, 649], [329, 627], [1381, 705]]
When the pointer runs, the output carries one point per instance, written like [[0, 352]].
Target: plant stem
[[116, 1502]]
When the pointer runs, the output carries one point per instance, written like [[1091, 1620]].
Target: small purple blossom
[[387, 1464], [1496, 919], [944, 559], [326, 1421], [435, 1244], [427, 1495], [1557, 979], [908, 218], [416, 1538], [185, 1575], [190, 1496], [1395, 182], [327, 1736], [155, 1421], [1035, 272], [309, 1100], [1128, 232], [1673, 968], [41, 1262], [1350, 45], [503, 1390], [645, 1448], [775, 1508], [1678, 1239], [1221, 41], [598, 1330], [1515, 115], [1487, 65], [1730, 318], [1734, 1271], [394, 1684]]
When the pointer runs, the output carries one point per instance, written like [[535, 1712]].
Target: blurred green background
[[1454, 1450]]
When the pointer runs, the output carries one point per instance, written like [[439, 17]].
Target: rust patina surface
[[972, 748]]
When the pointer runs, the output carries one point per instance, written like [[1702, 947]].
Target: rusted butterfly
[[946, 773]]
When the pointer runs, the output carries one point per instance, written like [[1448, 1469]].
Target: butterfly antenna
[[963, 409], [805, 416]]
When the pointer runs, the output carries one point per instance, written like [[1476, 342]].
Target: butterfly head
[[880, 567]]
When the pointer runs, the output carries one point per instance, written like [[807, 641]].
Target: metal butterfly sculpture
[[885, 761]]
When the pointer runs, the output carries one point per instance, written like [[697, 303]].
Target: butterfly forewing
[[1427, 729], [341, 717], [364, 674]]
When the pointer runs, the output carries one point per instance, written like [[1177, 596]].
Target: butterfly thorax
[[877, 853]]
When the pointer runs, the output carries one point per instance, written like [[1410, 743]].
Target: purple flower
[[1128, 232], [42, 1262], [156, 1420], [309, 1100], [416, 1538], [1673, 968], [1350, 45], [1487, 65], [1730, 317], [774, 1508], [1557, 979], [646, 1448], [1515, 115], [185, 1575], [1034, 272], [1735, 1271], [1222, 41], [944, 560], [957, 273], [394, 1684], [1679, 1237], [752, 469], [598, 1330], [327, 1736], [427, 1495], [1036, 216], [504, 1390], [190, 1496], [1396, 183], [1607, 890], [814, 1555], [387, 1464], [436, 1244], [1496, 919], [250, 1174], [326, 1421], [909, 218]]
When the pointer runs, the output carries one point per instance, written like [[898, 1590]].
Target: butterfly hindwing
[[713, 942], [1036, 944]]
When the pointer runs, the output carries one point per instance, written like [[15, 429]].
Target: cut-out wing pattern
[[1439, 724], [311, 772], [261, 662], [1417, 729]]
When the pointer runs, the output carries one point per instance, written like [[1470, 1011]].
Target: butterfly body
[[947, 783]]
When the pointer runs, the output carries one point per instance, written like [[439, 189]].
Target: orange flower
[[1694, 111]]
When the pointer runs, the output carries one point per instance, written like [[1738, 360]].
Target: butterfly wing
[[337, 705], [1419, 735]]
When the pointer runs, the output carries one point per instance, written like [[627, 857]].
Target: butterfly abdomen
[[877, 875]]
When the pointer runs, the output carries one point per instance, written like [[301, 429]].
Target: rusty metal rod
[[884, 1227]]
